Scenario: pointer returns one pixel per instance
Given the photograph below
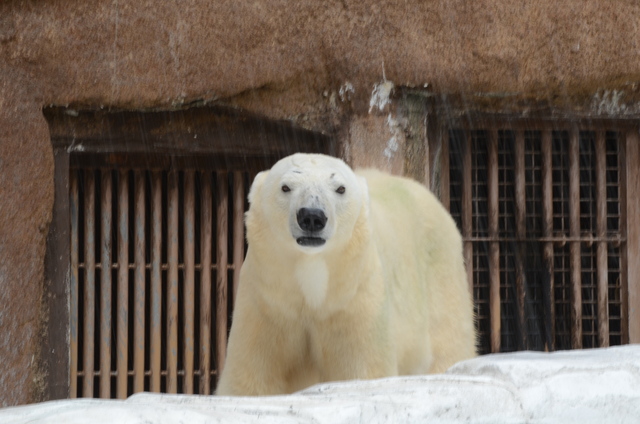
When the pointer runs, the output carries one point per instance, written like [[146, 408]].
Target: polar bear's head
[[306, 202]]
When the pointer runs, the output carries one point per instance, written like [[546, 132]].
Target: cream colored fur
[[385, 295]]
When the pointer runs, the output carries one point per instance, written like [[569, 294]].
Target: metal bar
[[521, 230], [139, 283], [172, 286], [494, 246], [238, 229], [105, 285], [155, 336], [122, 323], [601, 231], [206, 238], [445, 181], [574, 225], [424, 139], [631, 262], [221, 274], [517, 122], [623, 162], [467, 209], [73, 285], [189, 279], [548, 253], [559, 240], [89, 283]]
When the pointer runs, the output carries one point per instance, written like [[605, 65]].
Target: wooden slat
[[189, 279], [494, 295], [139, 283], [221, 265], [467, 209], [172, 286], [105, 284], [74, 204], [424, 140], [89, 283], [122, 319], [622, 162], [631, 259], [445, 181], [60, 296], [515, 121], [601, 231], [494, 246], [574, 249], [206, 201], [238, 229], [155, 337], [548, 253], [521, 211]]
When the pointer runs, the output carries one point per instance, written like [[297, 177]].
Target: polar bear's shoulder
[[404, 203], [385, 187]]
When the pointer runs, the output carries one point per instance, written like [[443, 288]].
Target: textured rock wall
[[26, 197], [311, 62]]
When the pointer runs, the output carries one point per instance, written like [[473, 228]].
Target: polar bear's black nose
[[311, 219]]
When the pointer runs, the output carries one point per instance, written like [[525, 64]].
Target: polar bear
[[347, 276]]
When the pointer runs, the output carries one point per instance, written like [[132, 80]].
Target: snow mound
[[589, 386]]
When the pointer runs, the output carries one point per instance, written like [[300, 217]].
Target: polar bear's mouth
[[310, 241]]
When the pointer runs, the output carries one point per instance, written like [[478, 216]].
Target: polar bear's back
[[420, 249]]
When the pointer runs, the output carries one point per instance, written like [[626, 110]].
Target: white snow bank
[[598, 386]]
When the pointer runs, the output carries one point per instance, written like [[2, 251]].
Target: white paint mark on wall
[[75, 148], [391, 149], [609, 102], [396, 134], [380, 95], [346, 90]]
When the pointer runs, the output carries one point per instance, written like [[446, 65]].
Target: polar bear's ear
[[257, 185]]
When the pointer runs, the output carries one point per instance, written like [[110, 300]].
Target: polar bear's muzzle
[[311, 221]]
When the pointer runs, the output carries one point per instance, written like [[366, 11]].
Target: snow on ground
[[589, 386]]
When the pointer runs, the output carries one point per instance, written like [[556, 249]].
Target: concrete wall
[[314, 63]]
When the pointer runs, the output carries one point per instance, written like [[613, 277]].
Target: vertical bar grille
[[88, 306], [122, 324], [540, 208], [155, 255]]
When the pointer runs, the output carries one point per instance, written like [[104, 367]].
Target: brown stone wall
[[26, 197], [284, 60]]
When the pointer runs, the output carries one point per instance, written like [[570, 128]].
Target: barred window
[[148, 220], [540, 208]]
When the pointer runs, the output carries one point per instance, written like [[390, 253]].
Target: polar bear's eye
[[285, 188], [340, 190]]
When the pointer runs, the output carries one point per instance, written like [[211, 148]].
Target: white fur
[[312, 276], [385, 293]]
